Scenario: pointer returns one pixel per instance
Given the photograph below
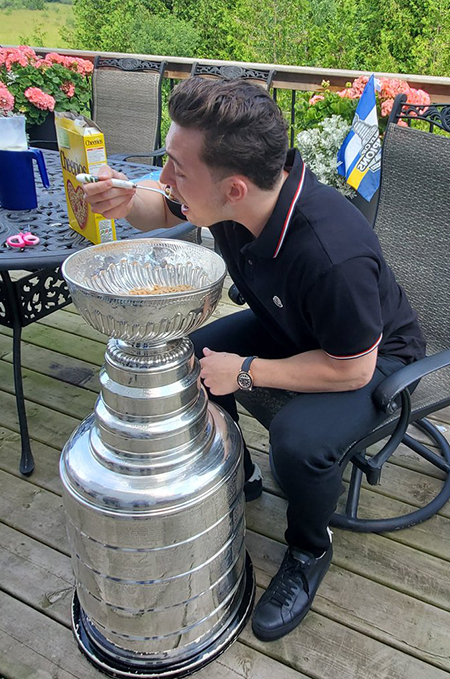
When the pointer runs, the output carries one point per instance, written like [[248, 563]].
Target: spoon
[[125, 184]]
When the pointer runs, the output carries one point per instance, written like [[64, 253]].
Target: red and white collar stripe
[[290, 212]]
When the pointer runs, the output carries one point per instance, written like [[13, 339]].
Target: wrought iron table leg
[[13, 319], [26, 459]]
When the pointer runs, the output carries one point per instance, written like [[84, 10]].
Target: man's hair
[[244, 129]]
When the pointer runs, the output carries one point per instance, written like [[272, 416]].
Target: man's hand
[[219, 371], [110, 202]]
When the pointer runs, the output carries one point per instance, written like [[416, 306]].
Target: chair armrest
[[385, 394], [177, 231], [124, 156], [235, 295]]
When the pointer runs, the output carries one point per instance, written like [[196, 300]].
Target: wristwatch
[[244, 378]]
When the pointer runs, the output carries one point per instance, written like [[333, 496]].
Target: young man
[[327, 319]]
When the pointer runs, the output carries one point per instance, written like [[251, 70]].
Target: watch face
[[244, 381]]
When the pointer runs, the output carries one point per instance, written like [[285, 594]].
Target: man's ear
[[236, 189]]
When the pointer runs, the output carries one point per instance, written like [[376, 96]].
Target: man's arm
[[311, 371], [144, 210]]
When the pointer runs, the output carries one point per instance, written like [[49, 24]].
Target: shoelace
[[287, 582]]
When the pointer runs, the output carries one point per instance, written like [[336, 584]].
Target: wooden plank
[[70, 345], [44, 424], [38, 575], [366, 606], [47, 650], [324, 648], [46, 361], [342, 596], [398, 483], [38, 514], [46, 472], [391, 559], [56, 395]]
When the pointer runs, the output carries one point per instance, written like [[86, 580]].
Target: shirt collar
[[271, 239]]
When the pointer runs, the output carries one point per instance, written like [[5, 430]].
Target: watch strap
[[245, 367]]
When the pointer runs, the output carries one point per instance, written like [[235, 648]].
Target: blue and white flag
[[359, 158]]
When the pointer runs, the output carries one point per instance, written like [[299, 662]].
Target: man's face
[[191, 181]]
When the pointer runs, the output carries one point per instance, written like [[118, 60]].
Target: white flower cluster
[[318, 148]]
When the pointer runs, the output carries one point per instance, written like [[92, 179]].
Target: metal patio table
[[41, 289]]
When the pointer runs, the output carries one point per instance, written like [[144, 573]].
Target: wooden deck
[[382, 612]]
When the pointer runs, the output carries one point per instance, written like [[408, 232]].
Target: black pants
[[309, 435]]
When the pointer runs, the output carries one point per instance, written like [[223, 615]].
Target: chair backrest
[[413, 224], [127, 103], [259, 76], [415, 115]]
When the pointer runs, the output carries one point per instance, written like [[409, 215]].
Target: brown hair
[[244, 129]]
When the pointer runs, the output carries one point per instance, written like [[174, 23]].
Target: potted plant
[[325, 120], [36, 86]]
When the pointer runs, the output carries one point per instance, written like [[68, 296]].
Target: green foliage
[[165, 35], [145, 27], [404, 36], [308, 117], [34, 4]]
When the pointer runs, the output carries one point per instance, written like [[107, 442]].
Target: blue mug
[[17, 187]]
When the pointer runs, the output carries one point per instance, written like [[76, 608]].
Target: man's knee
[[300, 445]]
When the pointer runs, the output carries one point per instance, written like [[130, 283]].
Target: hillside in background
[[39, 27]]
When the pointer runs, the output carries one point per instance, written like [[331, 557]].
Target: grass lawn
[[35, 27]]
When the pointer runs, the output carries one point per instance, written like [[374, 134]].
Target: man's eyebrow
[[174, 159]]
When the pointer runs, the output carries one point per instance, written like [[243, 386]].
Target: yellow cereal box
[[82, 151]]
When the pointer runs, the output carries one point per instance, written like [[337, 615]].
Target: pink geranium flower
[[68, 88], [40, 99], [38, 85], [389, 88], [6, 99], [314, 99]]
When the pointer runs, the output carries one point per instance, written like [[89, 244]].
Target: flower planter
[[43, 136]]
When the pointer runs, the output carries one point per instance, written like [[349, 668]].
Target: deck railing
[[291, 78]]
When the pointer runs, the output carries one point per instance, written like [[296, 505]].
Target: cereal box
[[82, 151]]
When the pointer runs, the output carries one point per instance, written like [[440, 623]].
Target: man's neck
[[258, 207]]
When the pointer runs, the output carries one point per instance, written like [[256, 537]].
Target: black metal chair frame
[[233, 72], [143, 65], [392, 396]]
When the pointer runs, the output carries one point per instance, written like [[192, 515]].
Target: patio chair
[[413, 224], [260, 76], [126, 104]]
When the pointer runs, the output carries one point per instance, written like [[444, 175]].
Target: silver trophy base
[[100, 654]]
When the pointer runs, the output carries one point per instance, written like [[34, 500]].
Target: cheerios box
[[82, 151]]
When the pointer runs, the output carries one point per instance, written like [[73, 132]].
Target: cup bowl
[[103, 279]]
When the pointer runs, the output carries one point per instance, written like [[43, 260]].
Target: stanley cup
[[153, 479]]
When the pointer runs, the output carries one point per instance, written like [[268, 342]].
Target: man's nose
[[165, 175]]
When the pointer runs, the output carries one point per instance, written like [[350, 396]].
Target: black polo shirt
[[316, 277]]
